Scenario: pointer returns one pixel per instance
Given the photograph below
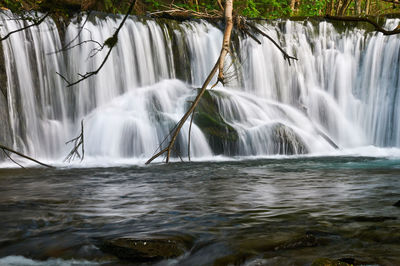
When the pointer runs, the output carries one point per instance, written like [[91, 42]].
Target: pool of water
[[254, 212]]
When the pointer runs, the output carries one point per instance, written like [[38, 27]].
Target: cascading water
[[343, 89]]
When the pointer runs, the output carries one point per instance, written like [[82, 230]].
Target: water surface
[[245, 212]]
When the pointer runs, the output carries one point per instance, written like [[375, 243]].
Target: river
[[286, 211]]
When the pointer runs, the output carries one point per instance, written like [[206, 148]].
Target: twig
[[78, 142], [67, 46]]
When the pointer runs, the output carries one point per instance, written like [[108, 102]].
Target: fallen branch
[[11, 159], [218, 66], [364, 19], [4, 148], [36, 23]]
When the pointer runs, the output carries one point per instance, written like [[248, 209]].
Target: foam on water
[[22, 261]]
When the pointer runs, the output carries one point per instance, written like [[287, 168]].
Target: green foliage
[[251, 10], [312, 7], [153, 4]]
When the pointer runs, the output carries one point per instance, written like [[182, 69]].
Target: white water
[[344, 86]]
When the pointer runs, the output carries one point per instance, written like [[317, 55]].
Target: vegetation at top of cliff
[[267, 9]]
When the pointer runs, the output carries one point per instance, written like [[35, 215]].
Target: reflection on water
[[241, 211]]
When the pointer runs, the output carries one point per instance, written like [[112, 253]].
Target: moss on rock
[[221, 136]]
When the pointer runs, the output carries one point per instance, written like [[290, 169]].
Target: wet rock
[[143, 250], [397, 204], [221, 136], [329, 262], [308, 240], [286, 141]]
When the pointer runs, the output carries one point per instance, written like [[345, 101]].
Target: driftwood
[[7, 149], [367, 20]]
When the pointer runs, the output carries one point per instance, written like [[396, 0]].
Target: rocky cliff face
[[5, 134]]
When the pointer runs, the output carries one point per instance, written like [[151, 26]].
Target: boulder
[[221, 136], [286, 141]]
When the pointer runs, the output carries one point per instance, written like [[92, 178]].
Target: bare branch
[[11, 159], [67, 46], [4, 148], [36, 23], [110, 42], [286, 56], [190, 130]]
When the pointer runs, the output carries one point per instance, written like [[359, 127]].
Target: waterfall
[[343, 89]]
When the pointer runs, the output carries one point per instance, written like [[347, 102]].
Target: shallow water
[[245, 212]]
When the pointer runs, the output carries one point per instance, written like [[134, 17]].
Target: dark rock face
[[397, 204], [221, 136], [139, 250]]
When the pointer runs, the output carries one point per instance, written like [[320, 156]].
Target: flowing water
[[257, 212], [256, 200], [343, 89]]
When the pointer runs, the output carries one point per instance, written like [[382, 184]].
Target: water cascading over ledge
[[344, 88]]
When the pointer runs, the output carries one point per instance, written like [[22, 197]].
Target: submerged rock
[[329, 262], [143, 250], [221, 136], [308, 240], [286, 141]]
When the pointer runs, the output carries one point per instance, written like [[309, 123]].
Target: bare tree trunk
[[227, 38], [367, 7], [344, 7], [337, 6], [330, 6], [357, 8], [293, 5]]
